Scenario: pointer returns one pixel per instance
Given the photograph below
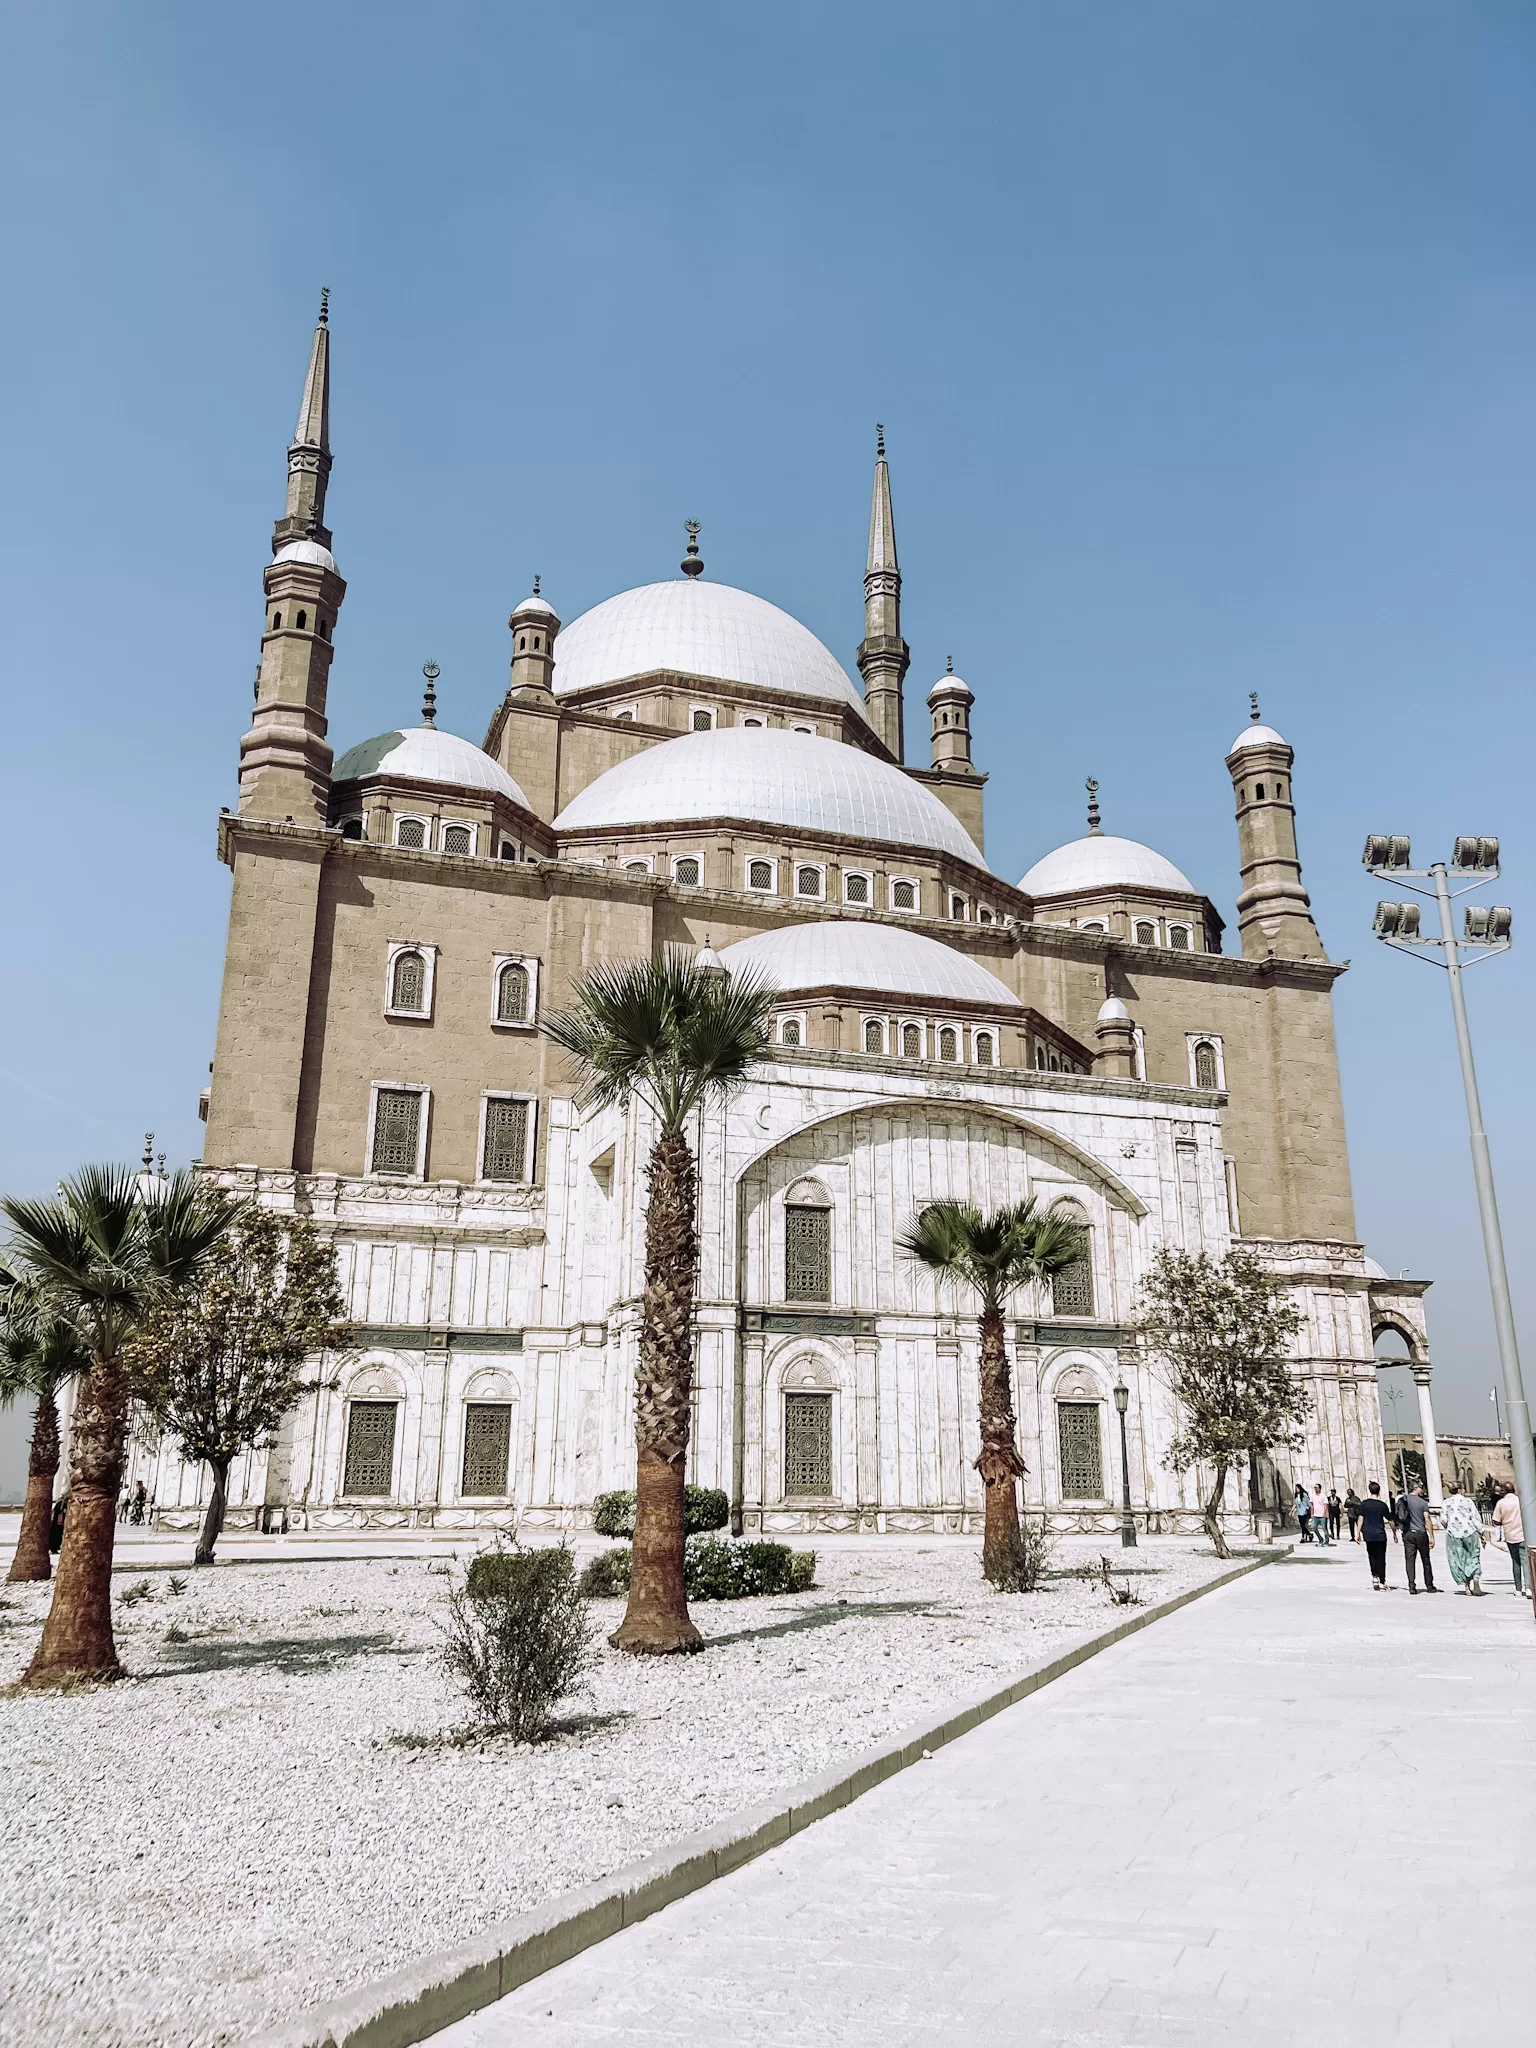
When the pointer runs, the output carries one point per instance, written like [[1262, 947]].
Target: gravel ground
[[231, 1835]]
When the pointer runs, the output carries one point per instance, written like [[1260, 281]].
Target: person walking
[[136, 1512], [1335, 1513], [1418, 1536], [1320, 1516], [1374, 1524], [1464, 1539], [1506, 1519], [1304, 1512], [1352, 1509]]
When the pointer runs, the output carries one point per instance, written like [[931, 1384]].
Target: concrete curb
[[399, 2010]]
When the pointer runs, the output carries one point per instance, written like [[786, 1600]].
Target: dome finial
[[879, 442], [149, 1151], [325, 305], [1253, 706], [1095, 830], [431, 671], [949, 664], [692, 564], [536, 582]]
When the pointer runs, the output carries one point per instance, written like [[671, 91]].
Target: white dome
[[534, 604], [1375, 1269], [306, 551], [1100, 861], [423, 754], [883, 959], [1257, 736], [770, 777], [1114, 1012], [696, 628]]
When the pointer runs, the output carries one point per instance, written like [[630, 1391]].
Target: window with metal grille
[[855, 888], [370, 1462], [512, 994], [789, 1031], [949, 1043], [1205, 1067], [807, 1254], [807, 1446], [760, 874], [408, 982], [874, 1035], [903, 895], [623, 718], [457, 839], [703, 721], [487, 1447], [911, 1041], [984, 1049], [637, 867], [1082, 1452], [807, 881], [1072, 1286], [687, 871], [411, 832], [1146, 935], [1178, 938], [506, 1140], [396, 1130]]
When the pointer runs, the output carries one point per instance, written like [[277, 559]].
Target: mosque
[[685, 764]]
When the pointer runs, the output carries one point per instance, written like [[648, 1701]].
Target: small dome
[[698, 629], [423, 754], [949, 685], [768, 776], [1375, 1269], [880, 959], [1101, 861], [307, 551], [535, 603], [1257, 736], [1114, 1012]]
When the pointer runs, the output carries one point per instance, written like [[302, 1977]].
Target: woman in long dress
[[1464, 1539]]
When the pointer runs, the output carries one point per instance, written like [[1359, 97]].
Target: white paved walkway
[[1297, 1812]]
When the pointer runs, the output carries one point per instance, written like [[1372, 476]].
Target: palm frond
[[995, 1253]]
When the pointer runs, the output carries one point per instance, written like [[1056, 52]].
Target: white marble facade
[[514, 1314]]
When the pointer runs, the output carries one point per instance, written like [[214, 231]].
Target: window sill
[[514, 1024], [409, 1016]]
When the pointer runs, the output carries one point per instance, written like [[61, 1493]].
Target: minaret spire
[[309, 453], [883, 654]]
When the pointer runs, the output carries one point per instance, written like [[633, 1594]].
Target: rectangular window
[[903, 895], [506, 1140], [370, 1461], [856, 889], [487, 1448], [702, 718], [1082, 1456], [808, 1446], [1072, 1289], [411, 832], [763, 875], [458, 839], [689, 871], [397, 1131], [807, 1254]]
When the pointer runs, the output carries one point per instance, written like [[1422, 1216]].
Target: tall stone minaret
[[883, 654], [285, 764], [1274, 912]]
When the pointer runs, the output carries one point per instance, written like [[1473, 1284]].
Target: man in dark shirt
[[1413, 1519], [1374, 1525]]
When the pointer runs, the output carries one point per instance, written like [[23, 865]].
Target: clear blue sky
[[1202, 333]]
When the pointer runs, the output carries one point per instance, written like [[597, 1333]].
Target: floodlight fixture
[[1396, 921], [1475, 854], [1384, 850], [1487, 926]]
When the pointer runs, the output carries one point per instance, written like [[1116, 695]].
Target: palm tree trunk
[[213, 1520], [1213, 1507], [31, 1560], [77, 1636], [656, 1619], [999, 1462]]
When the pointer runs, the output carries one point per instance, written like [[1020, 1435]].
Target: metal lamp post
[[1485, 931], [1127, 1519]]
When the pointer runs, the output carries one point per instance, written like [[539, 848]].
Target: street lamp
[[1485, 932], [1127, 1519]]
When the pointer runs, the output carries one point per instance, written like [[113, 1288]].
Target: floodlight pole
[[1523, 1455]]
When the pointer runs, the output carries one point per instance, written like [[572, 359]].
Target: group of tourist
[[1407, 1518]]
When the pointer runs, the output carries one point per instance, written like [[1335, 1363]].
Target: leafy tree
[[105, 1249], [994, 1256], [672, 1035], [39, 1350], [219, 1364], [1218, 1329]]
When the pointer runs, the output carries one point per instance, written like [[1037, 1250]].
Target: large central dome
[[698, 629], [769, 776]]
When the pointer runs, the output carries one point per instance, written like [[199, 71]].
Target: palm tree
[[994, 1255], [672, 1032], [104, 1250], [39, 1350]]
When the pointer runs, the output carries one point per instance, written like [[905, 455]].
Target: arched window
[[984, 916], [637, 867], [874, 1035], [688, 871], [911, 1041], [408, 983], [957, 908], [856, 889], [808, 882], [507, 851], [807, 1243], [760, 874], [1178, 938], [325, 629], [949, 1043], [789, 1031], [984, 1049], [1205, 1066], [1146, 935], [302, 621], [1258, 790], [512, 994], [1072, 1286], [351, 828], [522, 642], [411, 832], [903, 895], [277, 620], [458, 839], [487, 1449], [703, 721], [623, 718]]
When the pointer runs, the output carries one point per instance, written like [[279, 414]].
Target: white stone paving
[[1296, 1812]]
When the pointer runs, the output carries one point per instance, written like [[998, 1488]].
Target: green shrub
[[802, 1570], [1032, 1553], [606, 1576], [519, 1640], [704, 1508]]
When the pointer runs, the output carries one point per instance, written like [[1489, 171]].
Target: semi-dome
[[696, 628], [423, 754], [767, 776], [1100, 861], [1257, 736], [880, 959]]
